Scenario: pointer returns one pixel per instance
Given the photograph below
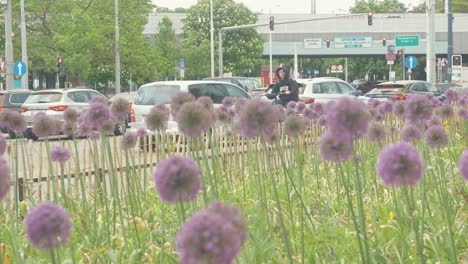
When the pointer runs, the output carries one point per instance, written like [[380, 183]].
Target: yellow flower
[[392, 215]]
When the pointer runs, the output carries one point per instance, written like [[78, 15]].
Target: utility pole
[[212, 39], [24, 49], [430, 55], [313, 7], [296, 70], [8, 48], [117, 52], [449, 41]]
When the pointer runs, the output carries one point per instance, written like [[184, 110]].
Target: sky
[[282, 6]]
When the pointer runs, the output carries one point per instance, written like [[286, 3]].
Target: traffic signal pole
[[449, 41], [224, 29], [24, 49], [9, 77]]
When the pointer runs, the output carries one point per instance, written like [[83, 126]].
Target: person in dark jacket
[[285, 87]]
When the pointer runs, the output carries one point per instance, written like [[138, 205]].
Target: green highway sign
[[406, 41]]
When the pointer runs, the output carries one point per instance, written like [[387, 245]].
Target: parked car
[[130, 97], [162, 92], [12, 100], [399, 90], [461, 90], [247, 84], [54, 102], [364, 86]]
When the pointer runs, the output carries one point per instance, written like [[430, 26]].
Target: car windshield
[[250, 83], [153, 94], [18, 98], [44, 97]]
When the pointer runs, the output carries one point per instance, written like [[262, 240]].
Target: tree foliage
[[166, 45], [242, 48], [376, 6]]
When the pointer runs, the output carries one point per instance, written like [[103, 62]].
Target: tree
[[383, 6], [166, 45], [242, 49], [458, 6]]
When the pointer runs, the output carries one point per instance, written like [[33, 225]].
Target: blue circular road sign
[[411, 62], [20, 68]]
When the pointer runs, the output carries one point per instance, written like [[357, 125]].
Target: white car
[[161, 92], [324, 89]]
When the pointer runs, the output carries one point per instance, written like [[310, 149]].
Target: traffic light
[[456, 60], [272, 23], [399, 57], [369, 18], [384, 41], [60, 66], [328, 43]]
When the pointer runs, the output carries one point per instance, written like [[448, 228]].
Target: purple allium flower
[[300, 106], [445, 111], [48, 226], [386, 107], [157, 117], [12, 120], [322, 120], [400, 164], [99, 100], [463, 100], [84, 130], [206, 102], [318, 108], [348, 117], [108, 127], [224, 114], [334, 148], [128, 141], [208, 237], [177, 179], [434, 121], [43, 125], [120, 109], [418, 108], [294, 126], [97, 114], [377, 132], [3, 144], [462, 165], [373, 103], [291, 105], [240, 103], [436, 136], [309, 114], [194, 119], [178, 100], [228, 101], [231, 214], [70, 115], [4, 178], [451, 95], [59, 154], [290, 111], [141, 132], [410, 133], [399, 108], [258, 118], [463, 113]]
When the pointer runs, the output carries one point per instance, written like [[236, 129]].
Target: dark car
[[364, 86], [246, 83], [12, 100], [399, 90]]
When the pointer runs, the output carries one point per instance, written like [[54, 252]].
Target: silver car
[[54, 102]]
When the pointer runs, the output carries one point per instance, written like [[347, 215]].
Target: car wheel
[[120, 128], [29, 134]]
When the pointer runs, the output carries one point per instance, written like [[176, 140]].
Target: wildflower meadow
[[242, 182]]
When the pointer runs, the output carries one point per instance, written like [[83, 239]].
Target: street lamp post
[[8, 47], [117, 53], [212, 39], [24, 48]]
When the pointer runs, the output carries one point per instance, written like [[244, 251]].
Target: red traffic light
[[272, 23], [59, 60], [369, 18]]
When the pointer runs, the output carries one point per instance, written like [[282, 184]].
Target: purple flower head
[[208, 237], [48, 226], [436, 136], [84, 130], [309, 114], [290, 111], [224, 114], [59, 154], [258, 118], [318, 108], [445, 111], [451, 95], [141, 132], [334, 148], [349, 117], [463, 113], [418, 108], [373, 103], [386, 107], [233, 215], [291, 105], [120, 109], [434, 121], [4, 178], [128, 141], [399, 108], [294, 126], [323, 120], [157, 117], [435, 102], [228, 101], [97, 114], [462, 165], [463, 100], [43, 125], [108, 127], [400, 164], [3, 144], [194, 119], [410, 133], [99, 100], [12, 120], [178, 100], [300, 106], [377, 132], [206, 102], [70, 115], [240, 103], [177, 179]]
